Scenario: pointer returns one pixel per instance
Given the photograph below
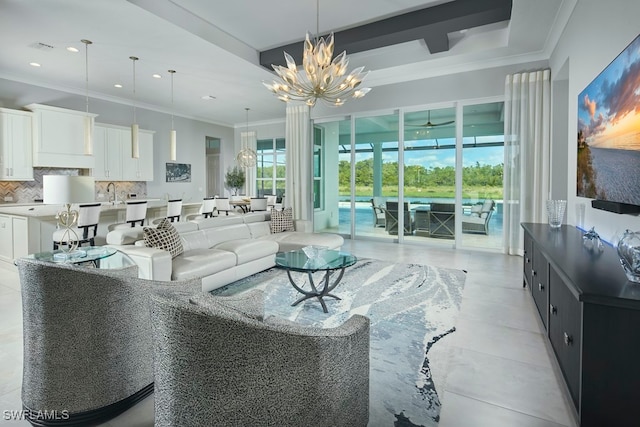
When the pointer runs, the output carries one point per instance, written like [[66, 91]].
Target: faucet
[[115, 195]]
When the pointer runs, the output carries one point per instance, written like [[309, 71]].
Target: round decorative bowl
[[629, 254]]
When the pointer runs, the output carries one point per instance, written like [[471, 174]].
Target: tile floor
[[498, 371]]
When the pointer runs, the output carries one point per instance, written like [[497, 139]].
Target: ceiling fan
[[433, 125]]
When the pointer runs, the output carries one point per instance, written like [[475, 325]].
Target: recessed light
[[34, 64], [72, 49], [208, 97], [118, 85], [157, 76]]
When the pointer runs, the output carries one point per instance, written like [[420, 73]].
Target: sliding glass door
[[430, 174], [482, 175], [375, 175], [426, 176]]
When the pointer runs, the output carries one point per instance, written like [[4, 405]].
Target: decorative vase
[[555, 211], [629, 253]]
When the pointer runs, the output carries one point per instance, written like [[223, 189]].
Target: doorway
[[214, 179]]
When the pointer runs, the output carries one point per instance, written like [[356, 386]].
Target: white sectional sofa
[[218, 250]]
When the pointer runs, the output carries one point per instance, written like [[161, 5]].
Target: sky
[[609, 108]]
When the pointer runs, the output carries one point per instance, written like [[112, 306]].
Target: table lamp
[[65, 190]]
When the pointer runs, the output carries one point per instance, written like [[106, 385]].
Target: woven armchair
[[217, 362], [87, 340]]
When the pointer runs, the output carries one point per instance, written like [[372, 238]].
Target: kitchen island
[[28, 228]]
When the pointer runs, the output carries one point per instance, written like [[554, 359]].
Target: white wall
[[190, 134], [595, 34]]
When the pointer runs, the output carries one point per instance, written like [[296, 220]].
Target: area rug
[[411, 307]]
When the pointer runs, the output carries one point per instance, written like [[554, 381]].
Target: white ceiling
[[214, 47]]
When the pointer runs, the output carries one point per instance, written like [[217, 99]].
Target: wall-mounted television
[[609, 135]]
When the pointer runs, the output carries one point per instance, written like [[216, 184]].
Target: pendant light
[[135, 145], [247, 157], [172, 133], [88, 123]]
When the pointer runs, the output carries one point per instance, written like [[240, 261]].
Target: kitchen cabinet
[[589, 312], [16, 161], [112, 150], [13, 233], [107, 150], [58, 137]]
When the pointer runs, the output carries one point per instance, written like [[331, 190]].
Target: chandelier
[[320, 77], [247, 157]]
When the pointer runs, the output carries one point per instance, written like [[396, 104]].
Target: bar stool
[[88, 219], [136, 212], [174, 210], [206, 209]]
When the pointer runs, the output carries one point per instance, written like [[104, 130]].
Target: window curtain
[[248, 139], [298, 161], [526, 151]]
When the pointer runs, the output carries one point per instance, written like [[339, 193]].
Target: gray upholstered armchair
[[87, 340], [217, 362]]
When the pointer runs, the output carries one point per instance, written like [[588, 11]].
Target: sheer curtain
[[298, 160], [248, 140], [526, 153]]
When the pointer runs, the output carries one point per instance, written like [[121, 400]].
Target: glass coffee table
[[103, 257], [329, 261]]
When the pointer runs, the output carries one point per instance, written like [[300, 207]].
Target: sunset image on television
[[609, 131]]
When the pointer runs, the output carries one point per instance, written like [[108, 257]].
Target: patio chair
[[391, 218], [478, 220], [378, 213], [442, 220]]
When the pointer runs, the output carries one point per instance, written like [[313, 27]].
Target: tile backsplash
[[28, 191]]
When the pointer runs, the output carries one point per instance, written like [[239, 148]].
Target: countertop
[[36, 210]]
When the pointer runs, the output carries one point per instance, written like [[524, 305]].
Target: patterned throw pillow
[[165, 237], [281, 220]]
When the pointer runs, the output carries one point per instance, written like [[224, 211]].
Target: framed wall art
[[178, 172]]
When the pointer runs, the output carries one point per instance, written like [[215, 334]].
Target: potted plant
[[235, 178]]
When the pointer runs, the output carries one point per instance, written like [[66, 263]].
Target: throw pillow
[[281, 220], [475, 210], [250, 304], [165, 237]]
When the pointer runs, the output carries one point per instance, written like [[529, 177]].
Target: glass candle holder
[[555, 211]]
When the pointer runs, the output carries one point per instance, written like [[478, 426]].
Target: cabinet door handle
[[527, 260], [533, 272], [540, 287], [553, 309], [568, 339]]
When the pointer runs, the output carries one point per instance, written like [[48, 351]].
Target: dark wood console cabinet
[[591, 315]]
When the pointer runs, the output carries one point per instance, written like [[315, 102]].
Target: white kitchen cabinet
[[16, 162], [13, 237], [58, 137], [112, 150], [107, 150]]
